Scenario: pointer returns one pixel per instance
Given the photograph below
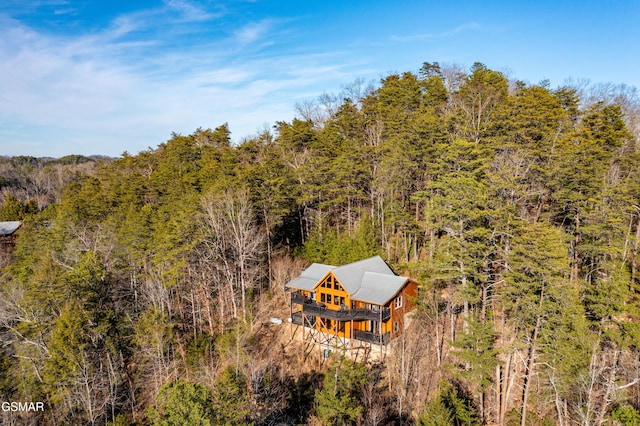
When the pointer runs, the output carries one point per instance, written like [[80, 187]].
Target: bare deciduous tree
[[235, 244]]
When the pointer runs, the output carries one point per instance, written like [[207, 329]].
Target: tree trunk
[[530, 362]]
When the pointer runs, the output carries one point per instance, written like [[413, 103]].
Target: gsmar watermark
[[21, 406]]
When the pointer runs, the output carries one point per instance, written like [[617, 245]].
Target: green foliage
[[230, 398], [435, 413], [68, 348], [625, 415], [337, 249], [7, 382], [12, 209], [536, 277], [337, 402], [182, 403], [153, 329], [120, 420], [199, 349], [448, 407], [474, 347]]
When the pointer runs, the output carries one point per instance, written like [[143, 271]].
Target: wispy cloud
[[189, 12], [430, 36], [65, 11], [253, 32], [128, 86]]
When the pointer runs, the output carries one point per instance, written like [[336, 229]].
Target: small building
[[364, 301], [8, 232]]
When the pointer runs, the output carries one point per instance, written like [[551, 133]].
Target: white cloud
[[115, 90], [252, 32], [190, 12], [430, 36]]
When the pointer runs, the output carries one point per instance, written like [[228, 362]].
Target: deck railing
[[370, 337], [343, 314]]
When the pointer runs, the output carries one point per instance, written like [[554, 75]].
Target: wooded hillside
[[140, 287]]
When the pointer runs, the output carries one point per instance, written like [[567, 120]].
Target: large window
[[399, 302]]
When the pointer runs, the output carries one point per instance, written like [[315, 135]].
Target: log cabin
[[364, 301]]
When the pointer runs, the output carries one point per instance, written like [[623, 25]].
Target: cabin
[[8, 233], [363, 301]]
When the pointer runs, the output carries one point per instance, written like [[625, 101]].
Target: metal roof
[[350, 275], [8, 228], [369, 280], [310, 277], [378, 288]]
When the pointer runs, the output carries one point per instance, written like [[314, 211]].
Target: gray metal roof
[[369, 280], [310, 277], [350, 275], [378, 288], [8, 228]]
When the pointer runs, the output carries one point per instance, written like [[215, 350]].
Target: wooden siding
[[330, 294]]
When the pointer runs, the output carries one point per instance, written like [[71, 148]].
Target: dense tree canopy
[[138, 287]]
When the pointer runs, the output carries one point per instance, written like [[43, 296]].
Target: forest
[[140, 288]]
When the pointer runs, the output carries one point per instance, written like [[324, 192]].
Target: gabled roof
[[369, 280], [310, 277], [8, 228], [351, 275]]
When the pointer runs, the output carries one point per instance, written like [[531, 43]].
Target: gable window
[[399, 302]]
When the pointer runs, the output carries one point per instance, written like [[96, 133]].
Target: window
[[398, 302], [396, 326], [323, 297], [328, 298], [336, 286]]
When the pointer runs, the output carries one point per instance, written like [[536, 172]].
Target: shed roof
[[369, 280], [8, 228]]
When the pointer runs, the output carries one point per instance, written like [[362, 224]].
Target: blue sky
[[104, 77]]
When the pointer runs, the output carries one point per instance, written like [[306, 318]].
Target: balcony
[[297, 318], [370, 337], [343, 314], [299, 298], [365, 336]]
